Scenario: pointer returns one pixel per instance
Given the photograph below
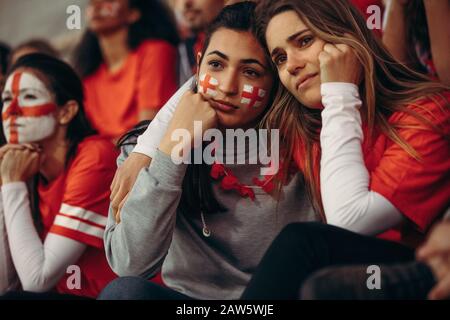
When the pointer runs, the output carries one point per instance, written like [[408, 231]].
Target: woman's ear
[[67, 112]]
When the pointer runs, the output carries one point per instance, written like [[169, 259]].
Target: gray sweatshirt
[[153, 235]]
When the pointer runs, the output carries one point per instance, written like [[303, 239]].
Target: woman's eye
[[215, 65], [30, 97], [305, 41], [6, 99], [280, 59], [252, 73]]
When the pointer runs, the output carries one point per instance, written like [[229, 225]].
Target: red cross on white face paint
[[208, 85], [252, 96], [28, 109]]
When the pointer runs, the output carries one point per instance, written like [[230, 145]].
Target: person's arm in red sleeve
[[84, 210], [157, 78], [418, 188]]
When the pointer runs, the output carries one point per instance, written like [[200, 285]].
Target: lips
[[223, 105], [305, 80]]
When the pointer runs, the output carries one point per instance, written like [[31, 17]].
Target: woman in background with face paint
[[206, 226], [58, 221], [127, 60]]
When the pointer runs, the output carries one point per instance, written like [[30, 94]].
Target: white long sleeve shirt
[[149, 141], [348, 202], [39, 266]]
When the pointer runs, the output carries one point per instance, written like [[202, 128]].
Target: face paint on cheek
[[25, 130], [27, 120], [208, 85], [252, 96], [34, 129], [12, 111]]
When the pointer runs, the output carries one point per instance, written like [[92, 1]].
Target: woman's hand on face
[[18, 162], [192, 107], [339, 63]]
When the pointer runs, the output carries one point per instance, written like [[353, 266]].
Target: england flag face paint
[[252, 96], [28, 109], [208, 85]]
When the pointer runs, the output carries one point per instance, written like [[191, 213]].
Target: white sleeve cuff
[[14, 186], [339, 88], [148, 142], [145, 150]]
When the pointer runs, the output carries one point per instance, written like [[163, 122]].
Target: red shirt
[[147, 80], [420, 190], [76, 204]]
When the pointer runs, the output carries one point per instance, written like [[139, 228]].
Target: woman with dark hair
[[127, 60], [52, 230], [197, 222], [417, 33]]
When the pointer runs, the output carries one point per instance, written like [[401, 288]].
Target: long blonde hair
[[387, 87]]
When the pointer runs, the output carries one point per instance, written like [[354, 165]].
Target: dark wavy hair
[[156, 22]]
